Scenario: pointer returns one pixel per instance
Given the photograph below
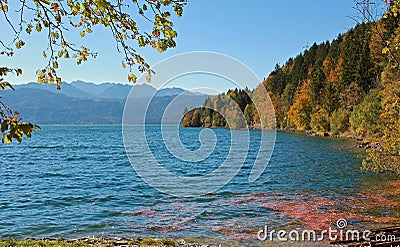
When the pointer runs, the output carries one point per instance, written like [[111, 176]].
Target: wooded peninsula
[[349, 86]]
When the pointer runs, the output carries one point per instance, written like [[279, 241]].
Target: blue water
[[76, 181]]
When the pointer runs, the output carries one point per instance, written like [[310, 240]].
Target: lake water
[[77, 181]]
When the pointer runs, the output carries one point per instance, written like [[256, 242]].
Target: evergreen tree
[[317, 84]]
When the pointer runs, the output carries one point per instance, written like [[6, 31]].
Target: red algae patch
[[240, 217]]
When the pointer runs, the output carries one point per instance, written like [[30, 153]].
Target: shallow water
[[76, 181]]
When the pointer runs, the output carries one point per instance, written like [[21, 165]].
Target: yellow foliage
[[300, 111]]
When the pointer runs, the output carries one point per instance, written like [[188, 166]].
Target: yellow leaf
[[132, 78], [141, 41], [7, 139], [385, 50]]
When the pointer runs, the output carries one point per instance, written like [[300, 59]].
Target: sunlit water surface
[[77, 181]]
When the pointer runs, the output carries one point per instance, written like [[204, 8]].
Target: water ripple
[[75, 181]]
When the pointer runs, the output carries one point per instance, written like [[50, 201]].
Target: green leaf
[[102, 4]]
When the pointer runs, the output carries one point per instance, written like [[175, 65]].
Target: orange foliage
[[326, 65], [309, 70], [377, 43], [278, 108], [301, 109], [336, 74]]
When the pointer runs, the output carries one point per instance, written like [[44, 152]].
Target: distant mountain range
[[87, 90], [88, 103]]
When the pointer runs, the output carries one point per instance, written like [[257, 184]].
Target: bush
[[339, 121], [365, 117], [320, 121]]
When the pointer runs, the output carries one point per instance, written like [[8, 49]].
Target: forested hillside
[[349, 86]]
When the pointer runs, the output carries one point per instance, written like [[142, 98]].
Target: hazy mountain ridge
[[88, 90], [88, 103]]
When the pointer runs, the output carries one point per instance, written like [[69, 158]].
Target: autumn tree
[[249, 114], [57, 20], [187, 117], [386, 158], [300, 111], [320, 121], [206, 117], [365, 118], [351, 96], [350, 84], [278, 108], [339, 121], [330, 98]]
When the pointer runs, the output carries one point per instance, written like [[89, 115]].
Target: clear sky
[[259, 33]]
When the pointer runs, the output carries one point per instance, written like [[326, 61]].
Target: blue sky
[[259, 33]]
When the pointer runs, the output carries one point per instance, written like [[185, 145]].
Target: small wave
[[76, 158], [205, 214], [47, 147], [51, 174]]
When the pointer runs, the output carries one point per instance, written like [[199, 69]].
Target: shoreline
[[361, 142], [102, 241]]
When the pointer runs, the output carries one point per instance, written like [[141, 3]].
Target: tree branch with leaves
[[57, 19]]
